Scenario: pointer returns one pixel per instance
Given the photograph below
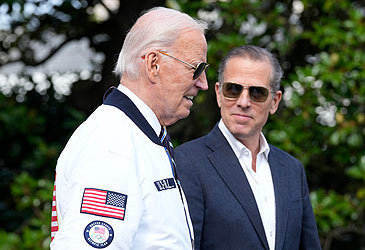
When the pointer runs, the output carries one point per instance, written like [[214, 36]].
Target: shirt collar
[[146, 111], [238, 147]]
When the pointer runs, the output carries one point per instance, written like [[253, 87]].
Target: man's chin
[[186, 114], [177, 117], [239, 131], [183, 115]]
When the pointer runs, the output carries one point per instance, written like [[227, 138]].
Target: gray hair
[[155, 29], [256, 54]]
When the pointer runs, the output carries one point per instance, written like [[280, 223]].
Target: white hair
[[155, 29]]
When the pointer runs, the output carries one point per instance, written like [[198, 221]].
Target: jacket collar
[[280, 178], [116, 98], [228, 167]]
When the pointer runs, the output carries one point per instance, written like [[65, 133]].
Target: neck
[[146, 92], [254, 147], [253, 144]]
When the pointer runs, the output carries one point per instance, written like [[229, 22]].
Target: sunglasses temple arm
[[190, 65]]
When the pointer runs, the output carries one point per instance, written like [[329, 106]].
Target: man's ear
[[152, 62], [218, 94], [275, 102]]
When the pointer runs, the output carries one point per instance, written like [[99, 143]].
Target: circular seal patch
[[98, 234]]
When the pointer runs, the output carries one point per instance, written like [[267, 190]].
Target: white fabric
[[146, 111], [109, 152], [260, 181]]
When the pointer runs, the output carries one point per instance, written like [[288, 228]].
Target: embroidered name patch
[[98, 234], [104, 203], [165, 184]]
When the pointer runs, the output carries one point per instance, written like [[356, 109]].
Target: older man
[[116, 186], [242, 192]]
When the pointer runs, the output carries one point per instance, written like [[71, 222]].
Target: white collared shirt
[[260, 181]]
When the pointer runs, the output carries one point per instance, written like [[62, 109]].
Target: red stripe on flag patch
[[104, 203], [54, 219]]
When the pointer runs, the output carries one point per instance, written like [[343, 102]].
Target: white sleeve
[[99, 203]]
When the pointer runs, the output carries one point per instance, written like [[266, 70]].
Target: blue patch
[[98, 234], [165, 184]]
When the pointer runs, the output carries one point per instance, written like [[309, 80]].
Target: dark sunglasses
[[233, 91], [198, 70]]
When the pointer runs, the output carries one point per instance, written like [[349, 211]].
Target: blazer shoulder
[[207, 143], [195, 145], [279, 154]]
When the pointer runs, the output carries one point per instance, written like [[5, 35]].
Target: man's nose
[[202, 82], [244, 100]]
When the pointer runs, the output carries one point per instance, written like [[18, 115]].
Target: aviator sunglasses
[[198, 70], [233, 91]]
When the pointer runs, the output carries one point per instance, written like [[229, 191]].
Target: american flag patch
[[104, 203]]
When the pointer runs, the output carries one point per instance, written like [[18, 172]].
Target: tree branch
[[51, 53], [339, 231]]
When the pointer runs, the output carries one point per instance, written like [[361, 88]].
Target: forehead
[[193, 43], [247, 71]]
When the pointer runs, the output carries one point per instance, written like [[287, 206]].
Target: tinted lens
[[258, 94], [199, 69], [232, 90]]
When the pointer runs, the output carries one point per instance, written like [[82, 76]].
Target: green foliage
[[358, 171], [33, 143], [32, 199], [333, 210]]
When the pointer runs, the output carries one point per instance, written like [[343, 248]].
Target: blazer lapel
[[281, 188], [228, 167]]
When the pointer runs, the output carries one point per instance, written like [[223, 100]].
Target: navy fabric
[[116, 98], [222, 205]]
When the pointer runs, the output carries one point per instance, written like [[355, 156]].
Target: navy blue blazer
[[223, 208]]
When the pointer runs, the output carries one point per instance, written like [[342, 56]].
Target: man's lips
[[243, 116], [189, 97]]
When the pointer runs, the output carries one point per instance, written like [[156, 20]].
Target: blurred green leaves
[[33, 197], [33, 133], [33, 200], [333, 210]]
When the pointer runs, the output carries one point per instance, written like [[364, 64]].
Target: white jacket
[[115, 187]]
